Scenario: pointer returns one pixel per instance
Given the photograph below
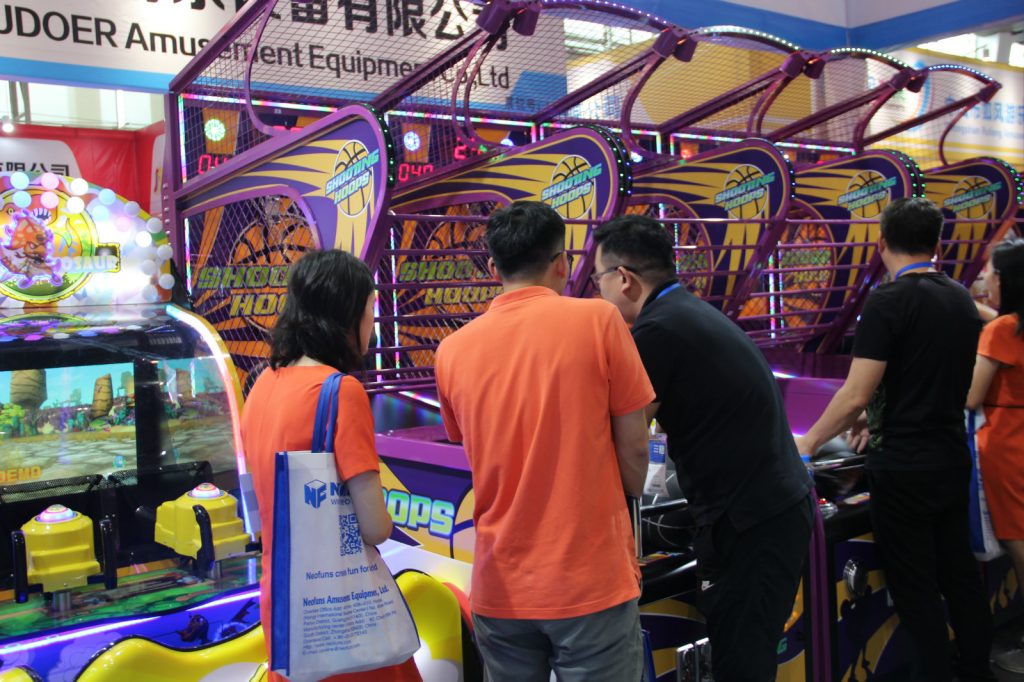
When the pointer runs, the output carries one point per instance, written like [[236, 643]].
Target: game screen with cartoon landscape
[[59, 422]]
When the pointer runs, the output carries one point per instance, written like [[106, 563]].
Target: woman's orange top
[[278, 416]]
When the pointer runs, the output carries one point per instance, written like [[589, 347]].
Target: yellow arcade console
[[59, 549], [19, 674], [178, 528]]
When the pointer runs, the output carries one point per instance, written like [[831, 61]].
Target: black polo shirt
[[925, 327], [722, 410]]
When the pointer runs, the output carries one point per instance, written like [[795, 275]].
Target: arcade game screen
[[60, 422]]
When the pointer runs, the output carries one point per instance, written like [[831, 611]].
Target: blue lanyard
[[912, 266], [666, 290]]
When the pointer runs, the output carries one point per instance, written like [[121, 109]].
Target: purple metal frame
[[470, 54], [984, 94]]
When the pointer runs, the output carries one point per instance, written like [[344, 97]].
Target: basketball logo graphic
[[867, 194], [277, 238], [970, 198], [572, 188], [448, 284], [807, 269], [351, 186], [744, 194]]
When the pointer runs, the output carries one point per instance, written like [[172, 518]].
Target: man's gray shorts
[[602, 646]]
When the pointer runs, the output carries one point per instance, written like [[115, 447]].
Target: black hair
[[522, 237], [640, 243], [1008, 260], [912, 226], [327, 292]]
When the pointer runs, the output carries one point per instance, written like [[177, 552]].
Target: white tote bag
[[983, 540], [335, 608]]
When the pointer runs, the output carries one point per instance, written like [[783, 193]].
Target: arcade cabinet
[[114, 402]]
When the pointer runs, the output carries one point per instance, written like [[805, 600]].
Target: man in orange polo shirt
[[547, 394]]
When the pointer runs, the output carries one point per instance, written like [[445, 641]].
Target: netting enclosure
[[299, 127]]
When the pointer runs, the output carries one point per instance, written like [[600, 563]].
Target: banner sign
[[580, 173], [92, 41], [983, 189], [357, 49], [37, 156], [66, 242], [749, 180], [850, 188], [113, 155]]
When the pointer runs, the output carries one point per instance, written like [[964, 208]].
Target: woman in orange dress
[[998, 388], [324, 328]]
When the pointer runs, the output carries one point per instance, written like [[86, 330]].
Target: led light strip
[[68, 636], [221, 357]]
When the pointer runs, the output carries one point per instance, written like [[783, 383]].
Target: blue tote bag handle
[[326, 414], [323, 440]]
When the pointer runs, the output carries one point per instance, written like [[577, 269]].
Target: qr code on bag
[[351, 540]]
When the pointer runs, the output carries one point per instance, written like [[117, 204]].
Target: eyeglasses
[[568, 258], [596, 277]]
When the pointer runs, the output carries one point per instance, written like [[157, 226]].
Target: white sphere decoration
[[144, 239], [148, 267], [19, 180], [107, 197], [79, 186], [99, 213], [132, 208], [166, 281], [164, 252], [150, 293], [75, 205], [154, 225], [49, 180], [22, 199], [49, 200]]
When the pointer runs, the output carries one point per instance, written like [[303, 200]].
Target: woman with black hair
[[998, 388], [324, 328]]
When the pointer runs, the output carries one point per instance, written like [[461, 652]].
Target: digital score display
[[207, 162], [411, 170], [425, 146]]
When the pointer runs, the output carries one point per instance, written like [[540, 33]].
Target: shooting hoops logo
[[867, 194], [351, 186], [745, 192], [573, 187], [973, 197]]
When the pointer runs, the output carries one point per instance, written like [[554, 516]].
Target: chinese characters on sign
[[34, 167]]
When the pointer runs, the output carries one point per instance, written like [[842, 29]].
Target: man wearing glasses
[[728, 435], [547, 395]]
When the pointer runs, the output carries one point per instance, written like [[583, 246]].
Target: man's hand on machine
[[859, 435]]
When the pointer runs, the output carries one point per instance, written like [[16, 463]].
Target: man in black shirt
[[728, 435], [915, 343]]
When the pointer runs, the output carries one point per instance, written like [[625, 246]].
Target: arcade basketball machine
[[117, 404], [263, 179]]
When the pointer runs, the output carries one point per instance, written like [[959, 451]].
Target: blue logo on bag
[[316, 492]]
